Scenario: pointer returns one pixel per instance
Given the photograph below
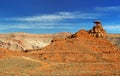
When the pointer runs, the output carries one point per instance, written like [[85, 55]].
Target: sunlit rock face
[[98, 30], [24, 41]]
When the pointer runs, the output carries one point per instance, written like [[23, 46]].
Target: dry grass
[[27, 66]]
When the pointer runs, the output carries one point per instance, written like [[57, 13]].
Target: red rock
[[98, 31]]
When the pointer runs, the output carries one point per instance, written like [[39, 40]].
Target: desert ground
[[62, 54]]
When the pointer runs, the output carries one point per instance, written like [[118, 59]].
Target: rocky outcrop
[[81, 33], [81, 46], [79, 54], [98, 31], [10, 46], [24, 41]]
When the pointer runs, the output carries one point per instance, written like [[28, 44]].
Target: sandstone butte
[[82, 43], [85, 53], [81, 47], [98, 30]]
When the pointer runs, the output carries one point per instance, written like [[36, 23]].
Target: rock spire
[[98, 31]]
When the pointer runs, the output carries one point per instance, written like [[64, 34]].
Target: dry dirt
[[76, 55]]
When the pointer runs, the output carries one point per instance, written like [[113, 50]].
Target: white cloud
[[59, 16], [109, 8], [113, 28], [37, 26], [43, 27], [49, 21]]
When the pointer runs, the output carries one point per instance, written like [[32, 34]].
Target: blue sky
[[53, 16]]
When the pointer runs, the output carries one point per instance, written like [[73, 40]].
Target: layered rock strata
[[98, 30]]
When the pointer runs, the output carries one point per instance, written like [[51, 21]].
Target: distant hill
[[114, 38], [25, 41], [85, 53]]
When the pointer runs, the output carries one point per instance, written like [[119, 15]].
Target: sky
[[53, 16]]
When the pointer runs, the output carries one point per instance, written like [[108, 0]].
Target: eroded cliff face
[[24, 41]]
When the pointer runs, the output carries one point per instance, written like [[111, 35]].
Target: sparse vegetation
[[78, 55]]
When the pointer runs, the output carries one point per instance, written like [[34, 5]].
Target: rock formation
[[79, 54], [10, 46], [79, 45], [98, 31], [24, 41]]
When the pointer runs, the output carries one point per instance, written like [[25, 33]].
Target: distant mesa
[[98, 31], [23, 41]]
